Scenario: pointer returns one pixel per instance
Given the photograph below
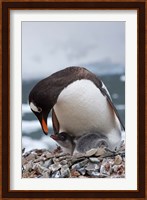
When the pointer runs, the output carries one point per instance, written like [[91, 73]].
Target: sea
[[32, 134]]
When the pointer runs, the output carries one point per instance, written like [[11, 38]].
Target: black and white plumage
[[80, 103]]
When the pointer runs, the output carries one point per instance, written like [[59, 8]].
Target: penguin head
[[41, 114], [64, 139], [41, 102]]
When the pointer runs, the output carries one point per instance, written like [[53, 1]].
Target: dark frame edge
[[141, 99], [5, 100]]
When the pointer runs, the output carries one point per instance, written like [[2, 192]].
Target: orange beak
[[42, 117], [44, 126]]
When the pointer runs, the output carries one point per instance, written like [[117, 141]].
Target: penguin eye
[[39, 109], [63, 137]]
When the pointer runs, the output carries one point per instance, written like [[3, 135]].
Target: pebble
[[28, 166], [47, 163], [82, 171], [120, 170], [75, 173], [94, 160], [90, 152], [55, 167], [46, 174], [39, 169], [65, 171], [55, 160], [100, 151], [92, 167], [117, 160], [63, 162], [115, 168], [48, 155], [80, 164], [106, 168], [31, 157], [56, 174], [39, 159]]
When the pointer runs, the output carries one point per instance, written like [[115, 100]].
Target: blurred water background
[[51, 46]]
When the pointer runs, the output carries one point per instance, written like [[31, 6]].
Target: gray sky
[[50, 46]]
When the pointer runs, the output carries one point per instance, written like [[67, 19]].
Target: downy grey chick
[[90, 141]]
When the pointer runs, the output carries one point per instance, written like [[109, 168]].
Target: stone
[[28, 166], [94, 160], [63, 162], [55, 160], [78, 155], [92, 167], [65, 171], [46, 174], [120, 170], [90, 152], [39, 159], [56, 174], [60, 154], [31, 157], [48, 155], [39, 169], [74, 173], [106, 168], [80, 164], [55, 167], [82, 170], [100, 151], [118, 160], [47, 163], [114, 168]]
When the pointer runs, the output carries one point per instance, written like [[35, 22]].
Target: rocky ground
[[95, 163]]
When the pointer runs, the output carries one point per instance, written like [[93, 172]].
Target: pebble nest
[[95, 163]]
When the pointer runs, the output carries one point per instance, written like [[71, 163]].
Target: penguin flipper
[[105, 93], [55, 122]]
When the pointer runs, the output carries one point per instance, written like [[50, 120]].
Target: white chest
[[82, 108]]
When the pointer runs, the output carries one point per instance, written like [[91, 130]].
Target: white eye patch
[[34, 108]]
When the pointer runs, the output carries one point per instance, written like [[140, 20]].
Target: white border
[[128, 183]]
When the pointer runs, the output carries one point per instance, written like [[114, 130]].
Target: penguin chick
[[90, 141], [65, 141]]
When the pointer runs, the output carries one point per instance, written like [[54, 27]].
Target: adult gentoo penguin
[[80, 103]]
